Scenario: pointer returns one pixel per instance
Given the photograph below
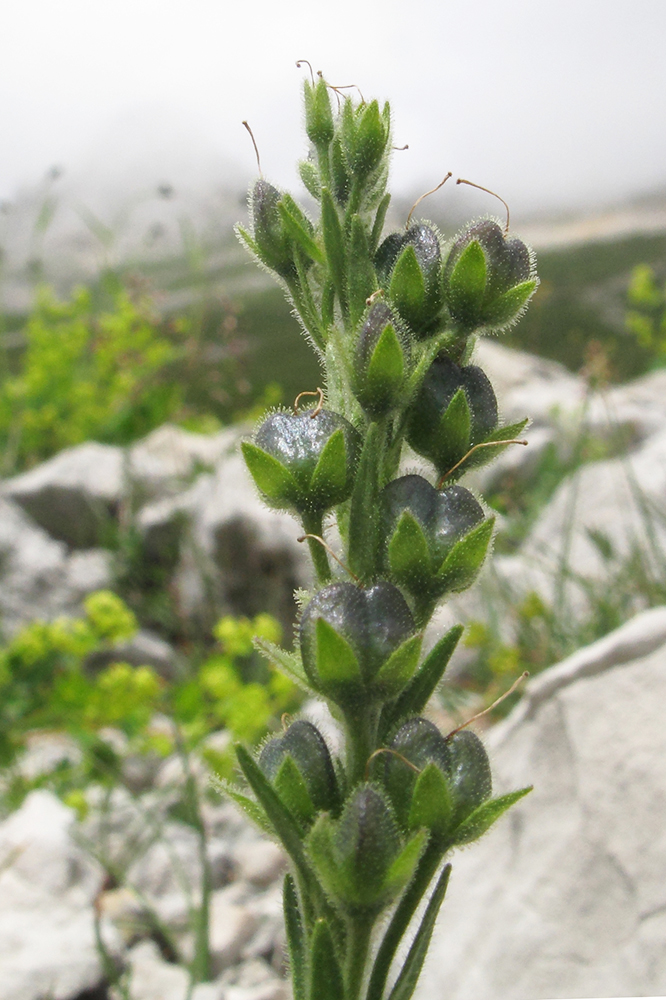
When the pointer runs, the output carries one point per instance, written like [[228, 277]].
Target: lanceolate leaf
[[295, 938], [289, 663], [284, 824], [483, 455], [399, 667], [408, 554], [485, 815], [466, 557], [335, 247], [411, 970], [298, 231], [336, 660], [325, 975], [273, 479], [330, 474], [251, 808], [416, 695]]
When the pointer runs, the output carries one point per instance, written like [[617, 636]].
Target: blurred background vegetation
[[176, 325]]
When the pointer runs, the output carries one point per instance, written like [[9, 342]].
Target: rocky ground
[[565, 898]]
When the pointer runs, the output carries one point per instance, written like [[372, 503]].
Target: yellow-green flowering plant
[[393, 319]]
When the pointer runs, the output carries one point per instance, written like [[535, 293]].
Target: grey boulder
[[566, 896]]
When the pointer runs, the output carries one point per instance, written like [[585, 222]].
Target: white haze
[[554, 103]]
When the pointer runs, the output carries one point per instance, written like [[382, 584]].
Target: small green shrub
[[87, 372], [45, 685]]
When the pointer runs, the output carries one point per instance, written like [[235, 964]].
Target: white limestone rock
[[74, 496], [166, 461], [39, 578], [47, 889], [566, 895]]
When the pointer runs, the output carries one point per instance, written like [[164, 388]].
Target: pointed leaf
[[291, 787], [272, 478], [323, 857], [386, 369], [378, 224], [325, 975], [334, 245], [508, 306], [467, 283], [411, 969], [404, 866], [400, 667], [362, 279], [431, 806], [293, 922], [455, 430], [298, 231], [248, 242], [485, 815], [407, 286], [252, 809], [409, 558], [363, 521], [310, 177], [483, 455], [284, 824], [330, 474], [336, 660], [289, 663], [415, 697], [461, 566]]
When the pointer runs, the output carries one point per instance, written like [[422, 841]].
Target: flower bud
[[304, 462], [454, 409], [356, 641], [318, 115], [360, 858], [299, 766], [488, 279], [408, 265], [380, 362], [364, 133], [270, 237], [429, 548]]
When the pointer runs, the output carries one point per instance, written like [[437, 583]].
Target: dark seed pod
[[455, 408], [302, 462], [425, 531], [488, 278], [313, 788], [348, 634]]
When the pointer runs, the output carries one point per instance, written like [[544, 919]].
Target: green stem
[[402, 918], [363, 527], [200, 968], [313, 524], [358, 943], [362, 727]]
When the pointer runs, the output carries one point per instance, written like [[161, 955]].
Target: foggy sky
[[553, 103]]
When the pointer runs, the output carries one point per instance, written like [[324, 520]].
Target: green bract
[[391, 316], [381, 362]]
